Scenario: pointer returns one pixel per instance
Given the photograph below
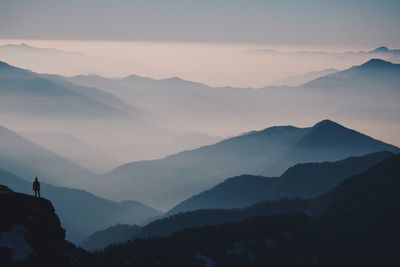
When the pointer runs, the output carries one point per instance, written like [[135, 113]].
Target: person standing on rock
[[36, 187]]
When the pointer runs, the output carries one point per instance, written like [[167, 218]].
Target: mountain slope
[[95, 94], [355, 224], [304, 180], [221, 204], [83, 213], [28, 160], [198, 218], [235, 192], [376, 74], [374, 191], [305, 78], [24, 92], [268, 152], [118, 233], [73, 149]]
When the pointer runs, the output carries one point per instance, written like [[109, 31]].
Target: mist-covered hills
[[29, 160], [44, 102], [202, 108], [161, 112], [81, 213], [25, 92], [305, 180], [268, 152], [298, 80], [73, 149], [353, 224]]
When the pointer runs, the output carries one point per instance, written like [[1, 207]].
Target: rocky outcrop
[[31, 233]]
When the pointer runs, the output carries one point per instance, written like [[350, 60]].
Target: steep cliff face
[[31, 233]]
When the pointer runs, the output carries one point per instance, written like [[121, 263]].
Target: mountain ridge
[[268, 152]]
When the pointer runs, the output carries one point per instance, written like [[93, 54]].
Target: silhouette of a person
[[36, 187]]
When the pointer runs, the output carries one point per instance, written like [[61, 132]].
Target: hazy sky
[[203, 40], [311, 22]]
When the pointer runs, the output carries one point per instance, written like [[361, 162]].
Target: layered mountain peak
[[382, 49], [376, 62]]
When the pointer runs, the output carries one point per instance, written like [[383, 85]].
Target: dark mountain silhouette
[[304, 180], [309, 180], [355, 224], [268, 152], [101, 239], [81, 213], [31, 234], [332, 141], [235, 192], [373, 191], [198, 218], [27, 160]]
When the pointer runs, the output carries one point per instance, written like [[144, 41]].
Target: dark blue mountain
[[305, 180], [267, 152], [355, 224]]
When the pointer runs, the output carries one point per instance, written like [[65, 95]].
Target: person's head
[[35, 178]]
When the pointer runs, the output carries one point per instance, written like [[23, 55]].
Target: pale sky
[[307, 22]]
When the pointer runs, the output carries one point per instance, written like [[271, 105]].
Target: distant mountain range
[[268, 152], [354, 224], [382, 50], [81, 212], [28, 93], [201, 108], [160, 112]]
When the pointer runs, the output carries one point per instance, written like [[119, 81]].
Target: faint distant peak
[[384, 49], [22, 45], [381, 49], [133, 77]]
